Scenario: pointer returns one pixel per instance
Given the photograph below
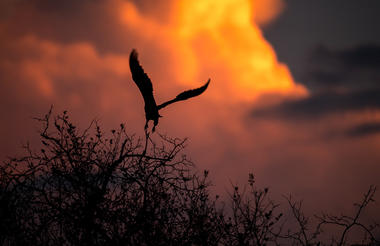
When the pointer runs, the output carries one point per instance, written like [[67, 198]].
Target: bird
[[145, 86]]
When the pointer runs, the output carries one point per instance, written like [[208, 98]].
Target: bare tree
[[254, 219], [348, 223], [306, 233], [84, 188], [89, 187]]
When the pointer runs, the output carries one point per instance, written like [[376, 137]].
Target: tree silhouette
[[90, 187]]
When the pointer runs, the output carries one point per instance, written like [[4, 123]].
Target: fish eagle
[[145, 86]]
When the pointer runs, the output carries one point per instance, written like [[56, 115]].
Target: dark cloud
[[341, 80], [326, 77], [361, 56], [352, 68], [306, 24], [323, 104], [364, 129]]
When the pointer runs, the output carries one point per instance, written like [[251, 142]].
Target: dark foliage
[[93, 188]]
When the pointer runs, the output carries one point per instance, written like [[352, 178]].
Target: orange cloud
[[81, 64], [217, 39], [265, 11]]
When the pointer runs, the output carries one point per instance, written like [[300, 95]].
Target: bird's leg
[[155, 124], [146, 125]]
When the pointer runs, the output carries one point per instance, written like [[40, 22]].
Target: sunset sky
[[294, 94]]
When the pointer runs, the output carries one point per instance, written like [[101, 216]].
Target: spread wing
[[186, 95], [140, 77]]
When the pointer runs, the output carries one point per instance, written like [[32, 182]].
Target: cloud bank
[[74, 55]]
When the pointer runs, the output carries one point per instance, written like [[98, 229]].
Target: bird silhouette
[[145, 86]]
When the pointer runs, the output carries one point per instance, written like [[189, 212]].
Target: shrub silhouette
[[94, 188]]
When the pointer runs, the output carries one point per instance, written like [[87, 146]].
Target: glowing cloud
[[218, 39], [74, 55], [265, 11]]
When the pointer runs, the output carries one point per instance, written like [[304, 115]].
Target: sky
[[294, 94]]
